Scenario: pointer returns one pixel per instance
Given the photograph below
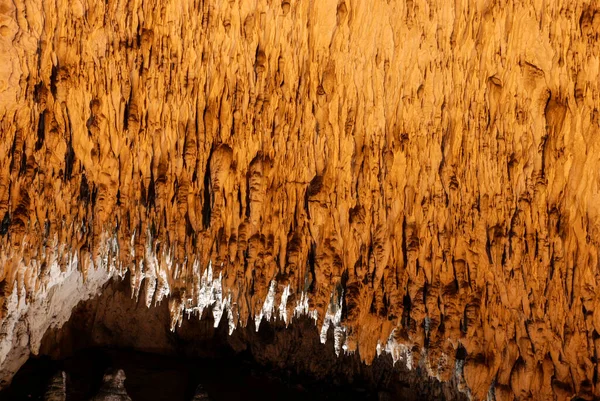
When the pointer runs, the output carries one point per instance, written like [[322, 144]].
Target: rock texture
[[113, 387], [57, 388], [422, 176]]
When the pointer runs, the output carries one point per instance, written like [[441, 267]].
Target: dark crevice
[[404, 247], [5, 224], [53, 81], [151, 198], [13, 150], [84, 189], [488, 249], [69, 160], [23, 167], [309, 284], [248, 195], [240, 204], [207, 202], [407, 306], [41, 131], [461, 353], [464, 322]]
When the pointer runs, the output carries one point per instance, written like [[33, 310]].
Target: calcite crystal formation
[[422, 177]]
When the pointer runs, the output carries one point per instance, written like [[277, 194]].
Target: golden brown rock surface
[[430, 166]]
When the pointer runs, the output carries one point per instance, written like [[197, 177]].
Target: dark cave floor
[[153, 377]]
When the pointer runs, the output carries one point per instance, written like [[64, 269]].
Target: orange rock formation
[[421, 175]]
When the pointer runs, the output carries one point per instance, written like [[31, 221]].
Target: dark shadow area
[[276, 362], [154, 377]]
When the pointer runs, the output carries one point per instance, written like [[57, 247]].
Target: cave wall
[[28, 316], [421, 175]]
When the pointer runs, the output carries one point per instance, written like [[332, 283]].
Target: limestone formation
[[113, 387], [57, 388], [422, 177]]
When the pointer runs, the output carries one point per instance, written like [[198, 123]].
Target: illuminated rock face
[[421, 176]]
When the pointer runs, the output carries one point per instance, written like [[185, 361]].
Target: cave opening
[[116, 331]]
